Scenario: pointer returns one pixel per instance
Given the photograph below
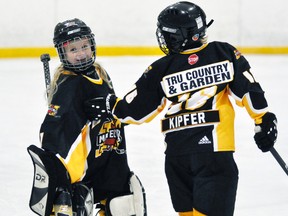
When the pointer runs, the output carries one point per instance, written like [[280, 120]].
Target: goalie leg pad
[[49, 174], [122, 206], [133, 204]]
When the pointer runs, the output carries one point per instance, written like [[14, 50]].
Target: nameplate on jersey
[[188, 120], [198, 78]]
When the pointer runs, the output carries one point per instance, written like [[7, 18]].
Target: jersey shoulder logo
[[237, 54], [53, 110]]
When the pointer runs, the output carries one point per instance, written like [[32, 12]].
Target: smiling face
[[78, 51], [75, 44]]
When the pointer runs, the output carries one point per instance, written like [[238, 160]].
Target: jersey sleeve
[[64, 130], [246, 91], [144, 102], [64, 119]]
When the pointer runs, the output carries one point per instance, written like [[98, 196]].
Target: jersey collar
[[189, 51]]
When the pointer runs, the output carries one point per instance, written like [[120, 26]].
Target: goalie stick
[[279, 160], [39, 195], [45, 58]]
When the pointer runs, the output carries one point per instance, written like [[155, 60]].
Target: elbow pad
[[257, 97]]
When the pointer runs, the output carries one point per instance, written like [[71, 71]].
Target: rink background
[[263, 185]]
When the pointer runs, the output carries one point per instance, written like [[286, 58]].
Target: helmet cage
[[74, 30], [162, 42], [171, 40], [82, 65], [176, 40]]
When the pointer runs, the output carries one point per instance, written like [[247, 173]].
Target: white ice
[[263, 185]]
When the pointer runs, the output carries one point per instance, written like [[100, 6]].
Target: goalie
[[81, 161]]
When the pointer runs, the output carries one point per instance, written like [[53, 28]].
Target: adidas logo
[[204, 140]]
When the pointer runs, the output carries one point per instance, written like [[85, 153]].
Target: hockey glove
[[266, 132], [100, 107]]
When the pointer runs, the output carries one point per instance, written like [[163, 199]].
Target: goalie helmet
[[181, 26], [70, 31]]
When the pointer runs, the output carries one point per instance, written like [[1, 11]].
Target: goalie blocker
[[47, 185]]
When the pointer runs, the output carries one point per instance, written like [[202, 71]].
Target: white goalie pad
[[38, 200], [133, 204]]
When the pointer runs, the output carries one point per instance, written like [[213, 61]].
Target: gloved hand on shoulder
[[266, 132], [100, 107]]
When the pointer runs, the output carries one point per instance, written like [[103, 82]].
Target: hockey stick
[[279, 160], [45, 58]]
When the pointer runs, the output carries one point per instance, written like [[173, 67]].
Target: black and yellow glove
[[100, 107], [266, 132]]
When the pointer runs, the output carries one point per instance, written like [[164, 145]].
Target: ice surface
[[263, 185]]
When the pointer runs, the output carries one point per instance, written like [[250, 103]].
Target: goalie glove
[[100, 107], [266, 132]]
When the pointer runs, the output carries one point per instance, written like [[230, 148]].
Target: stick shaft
[[46, 74], [279, 160], [45, 58]]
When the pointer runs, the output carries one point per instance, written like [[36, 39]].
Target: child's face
[[78, 51]]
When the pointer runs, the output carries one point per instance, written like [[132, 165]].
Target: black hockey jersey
[[90, 151], [198, 83]]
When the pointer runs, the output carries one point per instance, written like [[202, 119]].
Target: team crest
[[53, 110], [109, 138]]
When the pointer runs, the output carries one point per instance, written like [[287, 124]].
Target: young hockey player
[[197, 77], [81, 162]]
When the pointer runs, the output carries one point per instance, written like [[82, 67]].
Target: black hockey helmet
[[69, 30], [181, 26]]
